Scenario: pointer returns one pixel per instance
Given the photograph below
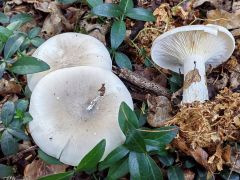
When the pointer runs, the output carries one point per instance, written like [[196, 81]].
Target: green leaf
[[92, 158], [167, 160], [118, 32], [143, 167], [162, 136], [127, 119], [126, 5], [175, 82], [60, 176], [2, 68], [175, 173], [29, 65], [37, 41], [116, 155], [34, 32], [7, 113], [189, 163], [4, 34], [107, 10], [135, 142], [227, 175], [22, 105], [12, 45], [118, 170], [5, 171], [140, 14], [3, 18], [67, 1], [123, 61], [94, 3], [27, 118], [14, 25], [18, 133], [22, 17], [48, 159], [9, 145]]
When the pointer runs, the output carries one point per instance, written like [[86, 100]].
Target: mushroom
[[74, 108], [189, 49], [69, 50]]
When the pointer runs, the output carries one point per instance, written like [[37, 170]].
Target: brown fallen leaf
[[55, 21], [191, 77], [9, 87], [39, 168], [159, 110], [223, 18], [219, 4]]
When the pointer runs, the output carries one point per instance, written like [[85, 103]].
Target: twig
[[234, 163], [142, 82], [20, 154]]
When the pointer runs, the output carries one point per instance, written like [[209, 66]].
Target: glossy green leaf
[[5, 171], [18, 133], [22, 105], [189, 163], [175, 173], [107, 10], [167, 160], [67, 1], [3, 18], [118, 32], [14, 25], [116, 155], [22, 17], [175, 82], [127, 118], [34, 32], [48, 159], [61, 176], [7, 113], [143, 167], [2, 68], [92, 158], [135, 142], [29, 65], [94, 3], [118, 170], [227, 175], [9, 145], [140, 14], [126, 5], [123, 61], [37, 41], [12, 45], [4, 34], [162, 135], [27, 118]]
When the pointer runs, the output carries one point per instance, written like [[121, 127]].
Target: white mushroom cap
[[214, 43], [69, 50], [188, 49], [70, 114]]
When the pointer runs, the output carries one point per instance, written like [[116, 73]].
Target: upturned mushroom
[[74, 108], [189, 49], [69, 50]]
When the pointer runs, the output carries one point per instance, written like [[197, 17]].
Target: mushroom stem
[[195, 86]]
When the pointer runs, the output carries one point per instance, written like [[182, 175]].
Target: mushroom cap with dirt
[[74, 108], [189, 49], [70, 50]]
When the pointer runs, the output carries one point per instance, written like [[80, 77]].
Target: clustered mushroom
[[76, 103], [189, 49]]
